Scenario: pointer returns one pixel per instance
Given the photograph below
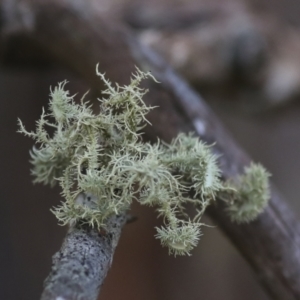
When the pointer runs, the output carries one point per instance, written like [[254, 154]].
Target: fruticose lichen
[[250, 195], [102, 165]]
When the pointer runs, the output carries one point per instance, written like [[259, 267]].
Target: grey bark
[[82, 263], [81, 37]]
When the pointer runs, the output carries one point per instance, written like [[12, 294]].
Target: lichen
[[102, 165], [250, 193]]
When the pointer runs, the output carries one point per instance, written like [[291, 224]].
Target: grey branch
[[82, 263], [83, 35]]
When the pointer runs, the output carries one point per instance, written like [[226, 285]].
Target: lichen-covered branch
[[82, 263], [81, 37], [102, 165]]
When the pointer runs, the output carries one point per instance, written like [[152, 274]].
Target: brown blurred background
[[141, 268]]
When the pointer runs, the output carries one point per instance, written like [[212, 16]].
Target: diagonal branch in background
[[229, 49], [80, 37]]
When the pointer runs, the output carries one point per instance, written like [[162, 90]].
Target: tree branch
[[83, 37], [82, 263]]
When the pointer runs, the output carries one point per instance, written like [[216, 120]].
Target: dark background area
[[141, 269]]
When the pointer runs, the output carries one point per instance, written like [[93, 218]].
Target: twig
[[81, 38], [82, 263]]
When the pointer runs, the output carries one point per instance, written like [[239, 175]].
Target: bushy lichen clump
[[102, 165], [250, 194]]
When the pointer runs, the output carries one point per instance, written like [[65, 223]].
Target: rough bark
[[81, 37], [82, 263]]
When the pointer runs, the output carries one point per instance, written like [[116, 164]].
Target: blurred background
[[242, 56]]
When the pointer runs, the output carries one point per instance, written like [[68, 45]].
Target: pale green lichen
[[250, 194], [196, 162], [179, 239], [102, 165]]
